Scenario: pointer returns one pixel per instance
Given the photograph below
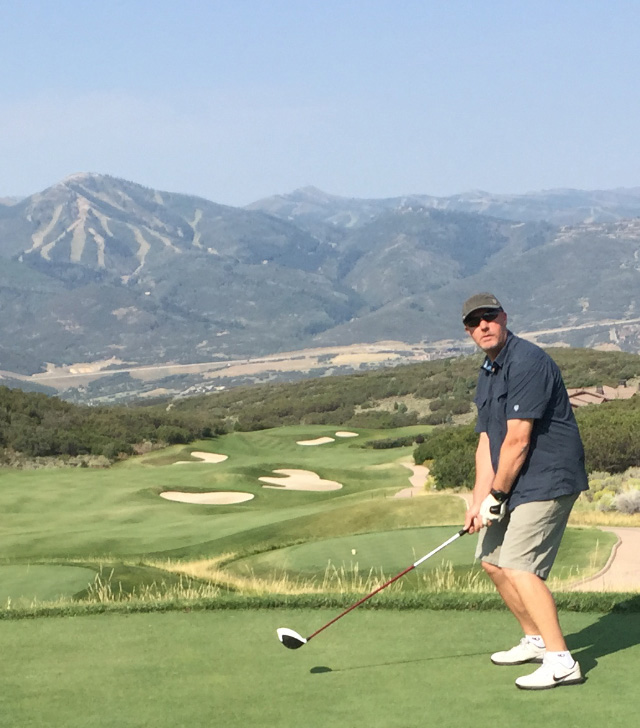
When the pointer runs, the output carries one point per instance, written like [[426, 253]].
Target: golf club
[[293, 640]]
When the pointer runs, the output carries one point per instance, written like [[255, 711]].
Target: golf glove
[[492, 509]]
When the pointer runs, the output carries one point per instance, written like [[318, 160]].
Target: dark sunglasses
[[474, 319]]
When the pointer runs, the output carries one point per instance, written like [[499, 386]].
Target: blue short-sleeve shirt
[[525, 383]]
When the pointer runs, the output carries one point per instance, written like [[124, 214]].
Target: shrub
[[435, 418], [628, 502], [454, 470], [453, 451]]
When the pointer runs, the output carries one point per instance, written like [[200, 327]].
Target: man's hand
[[491, 510], [473, 522]]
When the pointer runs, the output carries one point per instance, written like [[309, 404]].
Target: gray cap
[[480, 300]]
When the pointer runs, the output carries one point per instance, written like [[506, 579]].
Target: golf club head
[[290, 639]]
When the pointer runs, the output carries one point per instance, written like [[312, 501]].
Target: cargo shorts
[[527, 538]]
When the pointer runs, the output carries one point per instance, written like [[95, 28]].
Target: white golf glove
[[491, 509]]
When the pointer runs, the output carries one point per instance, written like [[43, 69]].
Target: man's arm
[[484, 479], [513, 453]]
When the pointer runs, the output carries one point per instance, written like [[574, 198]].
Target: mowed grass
[[70, 513], [374, 669], [385, 553], [25, 583], [117, 519]]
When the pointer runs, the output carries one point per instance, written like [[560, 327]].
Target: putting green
[[373, 669], [393, 551]]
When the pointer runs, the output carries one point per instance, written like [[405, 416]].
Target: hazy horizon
[[236, 101]]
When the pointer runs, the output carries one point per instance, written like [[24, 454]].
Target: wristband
[[499, 495]]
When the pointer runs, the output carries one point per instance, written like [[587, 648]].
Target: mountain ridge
[[96, 267]]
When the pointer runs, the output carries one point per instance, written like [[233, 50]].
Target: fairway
[[115, 517], [379, 669]]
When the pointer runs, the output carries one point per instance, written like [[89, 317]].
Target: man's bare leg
[[511, 597], [531, 603], [539, 607]]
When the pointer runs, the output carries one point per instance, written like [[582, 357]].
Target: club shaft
[[386, 584], [439, 548]]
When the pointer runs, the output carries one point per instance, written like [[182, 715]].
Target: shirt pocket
[[481, 402], [499, 392]]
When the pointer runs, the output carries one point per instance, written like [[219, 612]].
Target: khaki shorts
[[528, 538]]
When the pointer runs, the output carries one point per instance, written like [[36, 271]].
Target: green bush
[[452, 450], [611, 435], [455, 469]]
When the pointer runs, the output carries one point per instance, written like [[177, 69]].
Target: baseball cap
[[480, 300]]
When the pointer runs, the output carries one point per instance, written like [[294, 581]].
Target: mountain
[[95, 267], [99, 269], [310, 206]]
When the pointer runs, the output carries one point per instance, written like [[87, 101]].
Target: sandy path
[[622, 570], [419, 476]]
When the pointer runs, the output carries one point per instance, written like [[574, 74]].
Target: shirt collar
[[493, 366]]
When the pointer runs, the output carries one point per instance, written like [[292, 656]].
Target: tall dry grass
[[335, 580], [104, 591], [583, 517]]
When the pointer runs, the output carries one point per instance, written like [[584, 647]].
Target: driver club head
[[290, 639]]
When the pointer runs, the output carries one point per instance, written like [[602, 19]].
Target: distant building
[[596, 395]]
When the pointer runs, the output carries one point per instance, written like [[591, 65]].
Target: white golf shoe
[[520, 654], [551, 675]]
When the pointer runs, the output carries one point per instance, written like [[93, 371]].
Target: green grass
[[116, 518], [117, 512], [25, 583], [583, 551], [379, 669], [192, 654]]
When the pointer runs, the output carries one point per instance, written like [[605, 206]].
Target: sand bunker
[[214, 498], [203, 457], [317, 441], [300, 480], [325, 440]]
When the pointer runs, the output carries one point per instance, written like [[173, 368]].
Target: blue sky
[[235, 100]]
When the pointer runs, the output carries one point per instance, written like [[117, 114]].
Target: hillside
[[97, 269], [430, 393]]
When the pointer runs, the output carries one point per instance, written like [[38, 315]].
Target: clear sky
[[235, 100]]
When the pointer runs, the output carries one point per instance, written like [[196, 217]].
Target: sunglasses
[[474, 319]]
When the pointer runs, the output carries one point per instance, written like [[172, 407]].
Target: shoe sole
[[559, 684], [537, 660]]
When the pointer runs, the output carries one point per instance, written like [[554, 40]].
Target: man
[[529, 472]]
